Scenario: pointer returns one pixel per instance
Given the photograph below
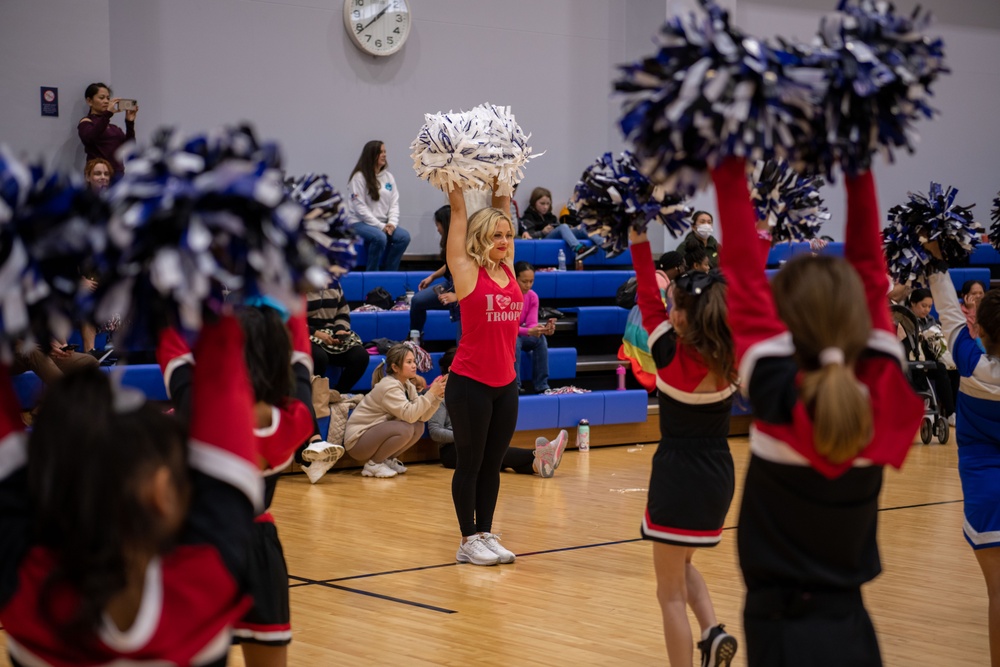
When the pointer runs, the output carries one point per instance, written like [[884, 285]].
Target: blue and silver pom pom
[[934, 217], [613, 196], [995, 227], [711, 92], [789, 202], [195, 218], [51, 227], [472, 149], [325, 218], [878, 71]]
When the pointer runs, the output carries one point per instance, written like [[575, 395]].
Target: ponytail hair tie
[[831, 355]]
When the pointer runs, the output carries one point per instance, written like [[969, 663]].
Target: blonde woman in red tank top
[[482, 390]]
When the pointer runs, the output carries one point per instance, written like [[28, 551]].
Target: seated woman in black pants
[[329, 319]]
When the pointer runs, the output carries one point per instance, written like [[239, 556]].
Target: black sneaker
[[585, 251], [718, 649]]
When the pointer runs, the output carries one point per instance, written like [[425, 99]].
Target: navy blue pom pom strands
[[712, 92], [925, 218], [193, 219], [614, 196], [788, 201], [995, 227]]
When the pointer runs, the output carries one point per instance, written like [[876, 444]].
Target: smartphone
[[439, 289], [126, 105], [70, 348]]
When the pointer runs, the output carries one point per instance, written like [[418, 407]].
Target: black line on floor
[[907, 507], [390, 598], [331, 582]]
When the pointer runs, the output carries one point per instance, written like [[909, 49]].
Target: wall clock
[[378, 27]]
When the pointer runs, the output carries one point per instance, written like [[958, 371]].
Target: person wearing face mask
[[701, 237]]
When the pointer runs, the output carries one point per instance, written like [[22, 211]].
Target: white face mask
[[703, 231]]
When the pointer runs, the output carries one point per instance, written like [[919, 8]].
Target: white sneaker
[[322, 451], [545, 456], [560, 446], [373, 469], [395, 464], [951, 419], [476, 552], [492, 543], [315, 470]]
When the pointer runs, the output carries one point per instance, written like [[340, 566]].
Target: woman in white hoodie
[[390, 419], [373, 209]]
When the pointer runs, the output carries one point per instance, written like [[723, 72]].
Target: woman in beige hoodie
[[390, 419]]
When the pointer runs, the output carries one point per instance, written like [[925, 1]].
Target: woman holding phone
[[531, 333], [102, 139]]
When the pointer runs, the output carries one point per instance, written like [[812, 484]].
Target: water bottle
[[621, 377], [415, 336], [562, 260], [583, 436]]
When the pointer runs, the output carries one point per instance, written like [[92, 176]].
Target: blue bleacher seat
[[439, 326], [625, 407], [365, 325], [562, 364], [147, 378], [782, 252], [599, 320], [547, 252], [545, 283], [353, 285], [394, 325], [833, 249], [600, 259], [984, 255], [574, 284], [574, 407], [537, 412], [363, 384]]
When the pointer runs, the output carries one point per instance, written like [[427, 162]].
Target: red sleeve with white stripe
[[753, 316], [172, 352], [863, 247], [294, 425], [301, 344], [222, 440], [647, 290]]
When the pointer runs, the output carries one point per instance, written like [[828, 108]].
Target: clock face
[[378, 27]]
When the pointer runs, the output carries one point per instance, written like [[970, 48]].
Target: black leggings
[[483, 419], [518, 459], [352, 364]]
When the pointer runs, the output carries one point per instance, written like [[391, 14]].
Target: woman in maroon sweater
[[100, 138]]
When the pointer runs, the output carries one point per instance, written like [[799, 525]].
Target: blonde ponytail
[[842, 416]]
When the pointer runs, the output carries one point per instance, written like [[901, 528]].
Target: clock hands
[[377, 17]]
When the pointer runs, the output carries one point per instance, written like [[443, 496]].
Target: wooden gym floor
[[374, 582]]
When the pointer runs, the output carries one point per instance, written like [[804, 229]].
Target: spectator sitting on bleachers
[[538, 222], [333, 342], [696, 259], [543, 459], [700, 236], [49, 367], [373, 209], [442, 297], [531, 333], [390, 419]]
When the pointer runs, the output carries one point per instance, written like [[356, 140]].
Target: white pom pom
[[471, 150]]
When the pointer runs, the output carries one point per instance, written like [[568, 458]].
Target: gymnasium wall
[[290, 69]]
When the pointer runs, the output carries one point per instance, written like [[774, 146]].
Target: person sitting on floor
[[390, 419], [543, 459]]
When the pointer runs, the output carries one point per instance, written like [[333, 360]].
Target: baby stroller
[[934, 424]]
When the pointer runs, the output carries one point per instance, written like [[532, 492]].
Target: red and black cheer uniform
[[692, 482], [195, 592], [807, 529], [269, 620], [481, 396]]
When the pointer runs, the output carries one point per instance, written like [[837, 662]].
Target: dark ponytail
[[707, 329], [268, 353], [87, 467]]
